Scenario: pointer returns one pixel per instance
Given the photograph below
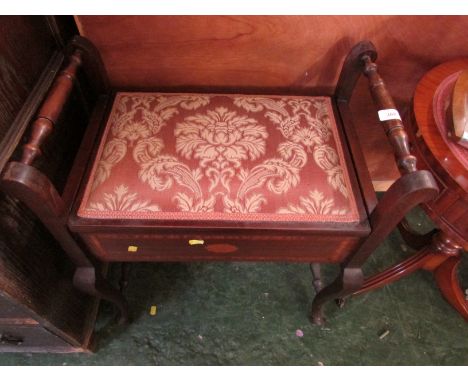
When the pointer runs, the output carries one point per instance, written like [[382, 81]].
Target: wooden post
[[24, 182], [410, 190], [51, 109], [389, 117]]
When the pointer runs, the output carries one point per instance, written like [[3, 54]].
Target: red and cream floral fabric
[[221, 157]]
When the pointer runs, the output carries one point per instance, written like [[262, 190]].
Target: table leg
[[124, 276], [316, 277], [413, 238], [447, 281]]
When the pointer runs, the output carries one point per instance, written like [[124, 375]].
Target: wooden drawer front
[[18, 338], [200, 247]]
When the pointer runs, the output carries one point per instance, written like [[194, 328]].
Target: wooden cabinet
[[40, 310], [20, 331]]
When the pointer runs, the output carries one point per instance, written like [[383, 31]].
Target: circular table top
[[431, 99]]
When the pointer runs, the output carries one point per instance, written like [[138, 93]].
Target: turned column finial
[[389, 116], [50, 110]]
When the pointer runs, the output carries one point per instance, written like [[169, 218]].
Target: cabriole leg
[[447, 281], [409, 191], [316, 277], [445, 272], [125, 275], [412, 238], [349, 280], [89, 281]]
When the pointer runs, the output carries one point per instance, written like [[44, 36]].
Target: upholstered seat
[[204, 177], [220, 157]]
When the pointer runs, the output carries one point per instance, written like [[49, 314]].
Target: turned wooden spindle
[[50, 110], [393, 127]]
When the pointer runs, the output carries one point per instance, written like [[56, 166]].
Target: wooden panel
[[19, 338], [449, 210], [25, 48], [277, 53], [9, 310], [35, 274], [248, 246]]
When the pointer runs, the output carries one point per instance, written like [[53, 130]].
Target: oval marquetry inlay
[[221, 248]]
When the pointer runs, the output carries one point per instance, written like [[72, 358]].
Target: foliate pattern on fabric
[[198, 156]]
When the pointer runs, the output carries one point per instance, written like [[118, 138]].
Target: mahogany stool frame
[[23, 181]]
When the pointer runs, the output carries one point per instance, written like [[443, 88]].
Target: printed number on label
[[388, 114]]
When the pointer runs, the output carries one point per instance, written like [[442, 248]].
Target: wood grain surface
[[442, 159], [35, 274], [459, 110], [25, 48], [293, 54], [450, 209]]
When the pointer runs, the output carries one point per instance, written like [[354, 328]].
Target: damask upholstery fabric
[[220, 157]]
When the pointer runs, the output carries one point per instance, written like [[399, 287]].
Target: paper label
[[389, 114]]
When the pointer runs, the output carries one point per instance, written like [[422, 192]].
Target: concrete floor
[[254, 314]]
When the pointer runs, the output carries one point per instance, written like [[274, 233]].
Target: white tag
[[388, 114]]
